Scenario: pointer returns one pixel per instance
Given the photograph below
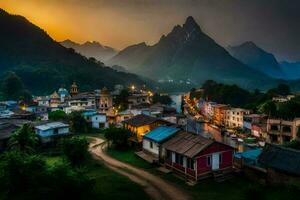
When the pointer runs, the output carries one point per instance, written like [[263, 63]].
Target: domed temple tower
[[105, 101], [73, 90]]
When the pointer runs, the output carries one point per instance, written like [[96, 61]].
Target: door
[[215, 161]]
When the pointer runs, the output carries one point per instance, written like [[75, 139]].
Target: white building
[[153, 140], [50, 130], [98, 120], [234, 117]]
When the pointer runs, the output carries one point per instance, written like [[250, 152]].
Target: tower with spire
[[74, 89]]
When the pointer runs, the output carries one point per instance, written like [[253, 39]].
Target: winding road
[[155, 187]]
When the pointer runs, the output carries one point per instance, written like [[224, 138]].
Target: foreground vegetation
[[64, 171]]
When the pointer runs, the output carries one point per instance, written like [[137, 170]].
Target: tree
[[24, 139], [12, 86], [281, 89], [78, 123], [117, 136], [75, 150], [269, 108], [57, 115], [21, 172], [24, 176]]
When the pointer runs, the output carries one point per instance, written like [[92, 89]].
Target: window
[[179, 159], [151, 145], [220, 158], [190, 163], [208, 160], [169, 155]]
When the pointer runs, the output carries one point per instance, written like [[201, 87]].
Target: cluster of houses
[[196, 157], [188, 154], [97, 107], [276, 131]]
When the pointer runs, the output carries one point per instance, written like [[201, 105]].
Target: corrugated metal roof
[[281, 158], [250, 154], [187, 144], [161, 133], [51, 125]]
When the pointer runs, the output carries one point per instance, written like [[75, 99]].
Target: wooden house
[[142, 124], [196, 157]]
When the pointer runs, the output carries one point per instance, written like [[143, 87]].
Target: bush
[[24, 176], [58, 115], [78, 123], [118, 136]]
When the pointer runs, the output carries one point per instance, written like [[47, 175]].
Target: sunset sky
[[272, 24]]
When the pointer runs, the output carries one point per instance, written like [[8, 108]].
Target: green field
[[238, 188]]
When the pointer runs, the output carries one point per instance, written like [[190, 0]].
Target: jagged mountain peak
[[191, 25]]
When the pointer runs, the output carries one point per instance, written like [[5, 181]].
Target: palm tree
[[24, 139]]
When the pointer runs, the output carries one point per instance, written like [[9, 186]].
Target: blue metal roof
[[89, 113], [161, 133], [250, 154]]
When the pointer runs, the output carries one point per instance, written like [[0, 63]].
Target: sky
[[272, 24]]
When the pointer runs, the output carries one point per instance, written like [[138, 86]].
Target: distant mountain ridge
[[44, 64], [91, 49], [188, 53], [291, 69], [257, 58]]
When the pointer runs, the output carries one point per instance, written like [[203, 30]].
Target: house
[[280, 131], [235, 117], [136, 98], [281, 98], [124, 115], [282, 164], [86, 100], [98, 120], [142, 124], [179, 119], [196, 157], [152, 141], [255, 124], [219, 114], [51, 130], [247, 158]]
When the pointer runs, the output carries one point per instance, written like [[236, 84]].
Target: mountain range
[[44, 64], [257, 58], [187, 53], [91, 49], [291, 69]]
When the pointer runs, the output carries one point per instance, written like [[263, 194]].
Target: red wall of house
[[226, 159], [227, 155], [202, 165]]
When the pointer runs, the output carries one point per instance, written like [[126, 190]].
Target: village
[[193, 138]]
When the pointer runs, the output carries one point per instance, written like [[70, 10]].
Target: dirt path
[[154, 186]]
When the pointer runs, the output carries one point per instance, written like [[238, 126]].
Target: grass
[[108, 184], [128, 156], [238, 188]]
